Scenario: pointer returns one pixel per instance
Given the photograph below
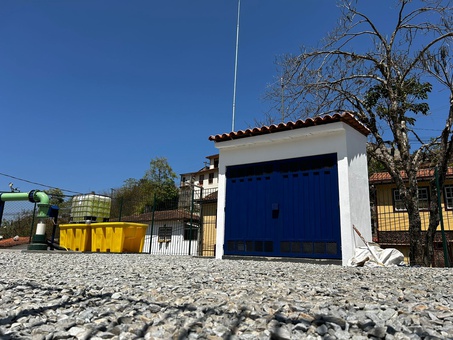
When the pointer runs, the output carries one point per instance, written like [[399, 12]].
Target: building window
[[211, 178], [398, 203], [423, 199], [448, 194], [164, 233], [216, 163], [190, 233], [201, 179]]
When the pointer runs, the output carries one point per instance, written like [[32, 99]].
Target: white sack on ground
[[387, 257]]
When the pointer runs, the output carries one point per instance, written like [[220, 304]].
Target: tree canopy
[[156, 187], [383, 75]]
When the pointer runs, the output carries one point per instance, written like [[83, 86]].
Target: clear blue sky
[[91, 91]]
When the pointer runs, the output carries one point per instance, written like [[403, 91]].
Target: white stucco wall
[[339, 138], [354, 192], [177, 245]]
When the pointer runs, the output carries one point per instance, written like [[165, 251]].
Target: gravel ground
[[47, 295]]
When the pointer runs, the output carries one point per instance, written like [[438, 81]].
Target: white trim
[[339, 138]]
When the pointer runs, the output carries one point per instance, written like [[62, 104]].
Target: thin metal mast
[[282, 109], [236, 66]]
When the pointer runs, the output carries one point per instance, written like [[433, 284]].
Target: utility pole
[[236, 66], [282, 108]]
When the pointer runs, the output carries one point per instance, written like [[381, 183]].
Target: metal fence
[[19, 218], [390, 222], [185, 225]]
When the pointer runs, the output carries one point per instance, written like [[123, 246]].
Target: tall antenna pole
[[236, 66], [282, 109]]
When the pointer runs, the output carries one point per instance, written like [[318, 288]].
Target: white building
[[207, 177], [293, 190]]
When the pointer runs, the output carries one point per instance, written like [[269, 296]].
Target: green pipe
[[444, 240], [43, 203], [34, 196], [14, 196]]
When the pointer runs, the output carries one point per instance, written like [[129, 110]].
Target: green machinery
[[44, 210]]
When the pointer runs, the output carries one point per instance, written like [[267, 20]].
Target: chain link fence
[[19, 218]]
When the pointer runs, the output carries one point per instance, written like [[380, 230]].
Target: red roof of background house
[[211, 197], [384, 177], [345, 117]]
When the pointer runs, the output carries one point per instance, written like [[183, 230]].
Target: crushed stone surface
[[53, 295]]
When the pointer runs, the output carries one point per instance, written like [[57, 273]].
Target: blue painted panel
[[284, 208]]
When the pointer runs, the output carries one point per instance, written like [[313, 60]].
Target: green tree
[[56, 196], [161, 179], [19, 222], [155, 188], [374, 166], [63, 202], [383, 77]]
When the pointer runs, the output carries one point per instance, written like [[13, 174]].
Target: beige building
[[204, 184]]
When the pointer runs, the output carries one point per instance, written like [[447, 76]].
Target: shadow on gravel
[[171, 313], [187, 318], [40, 311]]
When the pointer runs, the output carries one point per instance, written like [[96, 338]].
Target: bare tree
[[384, 78]]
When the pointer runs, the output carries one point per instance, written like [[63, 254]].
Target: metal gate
[[287, 208]]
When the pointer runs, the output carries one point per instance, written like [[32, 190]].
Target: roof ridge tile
[[345, 117]]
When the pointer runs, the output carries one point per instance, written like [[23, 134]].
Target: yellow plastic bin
[[76, 236], [118, 237]]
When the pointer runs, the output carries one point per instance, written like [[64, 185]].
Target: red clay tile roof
[[384, 177], [345, 117], [210, 197]]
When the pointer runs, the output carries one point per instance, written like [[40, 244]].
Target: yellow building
[[209, 214], [390, 218]]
